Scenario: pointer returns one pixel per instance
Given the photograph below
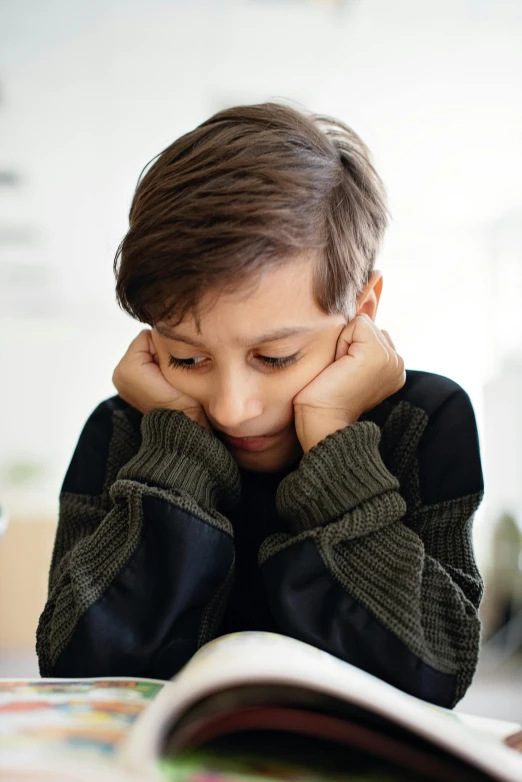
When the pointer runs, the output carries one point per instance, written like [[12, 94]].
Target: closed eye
[[268, 361]]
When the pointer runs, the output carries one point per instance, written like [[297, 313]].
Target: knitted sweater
[[362, 547]]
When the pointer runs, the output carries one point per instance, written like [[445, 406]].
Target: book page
[[268, 658], [55, 722]]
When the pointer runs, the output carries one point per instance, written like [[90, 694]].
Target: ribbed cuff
[[341, 472], [178, 453]]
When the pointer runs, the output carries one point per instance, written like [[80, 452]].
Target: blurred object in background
[[504, 588], [502, 456], [506, 580], [3, 520]]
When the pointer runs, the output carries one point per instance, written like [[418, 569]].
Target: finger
[[378, 333], [402, 370], [390, 341], [343, 343], [384, 342], [387, 343], [399, 361], [359, 329], [377, 336], [152, 347], [370, 327], [140, 348], [140, 341]]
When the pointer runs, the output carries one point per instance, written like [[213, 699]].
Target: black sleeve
[[381, 572], [143, 557]]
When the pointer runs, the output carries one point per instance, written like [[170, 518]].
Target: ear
[[368, 300]]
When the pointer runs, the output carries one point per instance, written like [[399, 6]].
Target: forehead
[[276, 299], [289, 286]]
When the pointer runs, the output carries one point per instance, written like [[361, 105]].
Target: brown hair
[[250, 187]]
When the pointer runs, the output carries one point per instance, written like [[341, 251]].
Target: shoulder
[[114, 407], [448, 451], [99, 427], [430, 392], [87, 470]]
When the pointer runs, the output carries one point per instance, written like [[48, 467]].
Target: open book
[[248, 706]]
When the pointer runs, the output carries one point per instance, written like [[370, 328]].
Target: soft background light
[[90, 91]]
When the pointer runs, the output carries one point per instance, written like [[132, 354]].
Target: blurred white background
[[91, 90]]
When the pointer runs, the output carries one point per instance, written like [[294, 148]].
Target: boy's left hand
[[366, 370]]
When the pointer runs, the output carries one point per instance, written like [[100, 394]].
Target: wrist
[[312, 424], [198, 415], [175, 454]]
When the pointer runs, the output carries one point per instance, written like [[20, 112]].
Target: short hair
[[252, 187]]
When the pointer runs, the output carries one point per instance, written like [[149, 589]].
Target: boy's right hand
[[140, 382]]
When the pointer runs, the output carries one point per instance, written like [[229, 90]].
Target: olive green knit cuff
[[178, 453], [342, 472]]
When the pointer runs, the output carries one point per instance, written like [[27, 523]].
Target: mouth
[[257, 443]]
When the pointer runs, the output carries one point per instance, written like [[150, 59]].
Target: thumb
[[152, 348], [344, 341]]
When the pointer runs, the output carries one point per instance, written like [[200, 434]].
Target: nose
[[234, 401]]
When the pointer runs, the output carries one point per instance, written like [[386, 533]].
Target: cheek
[[277, 393], [307, 370], [282, 392]]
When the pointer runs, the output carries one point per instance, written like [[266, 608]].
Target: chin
[[255, 463], [267, 461]]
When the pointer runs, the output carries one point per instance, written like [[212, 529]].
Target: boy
[[267, 464]]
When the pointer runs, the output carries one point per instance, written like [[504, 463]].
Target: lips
[[257, 443], [244, 437]]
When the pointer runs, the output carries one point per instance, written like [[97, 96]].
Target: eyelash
[[271, 363]]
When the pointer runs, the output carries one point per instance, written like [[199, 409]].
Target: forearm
[[341, 473], [412, 628], [121, 591], [140, 595], [356, 581], [179, 454], [312, 426]]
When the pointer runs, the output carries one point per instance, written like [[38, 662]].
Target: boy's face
[[243, 394]]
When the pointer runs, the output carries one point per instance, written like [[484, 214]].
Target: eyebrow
[[270, 336]]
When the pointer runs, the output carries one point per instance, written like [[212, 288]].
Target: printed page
[[253, 657], [54, 723]]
